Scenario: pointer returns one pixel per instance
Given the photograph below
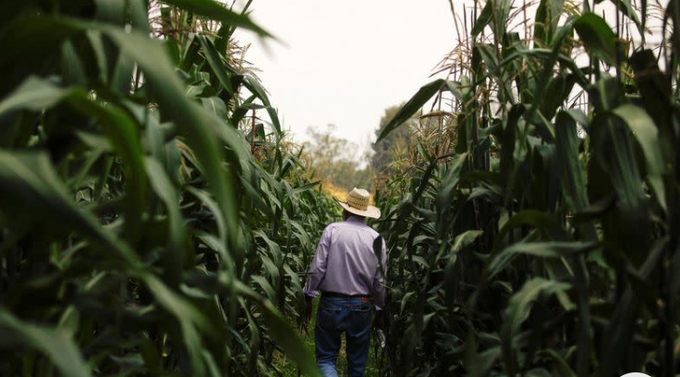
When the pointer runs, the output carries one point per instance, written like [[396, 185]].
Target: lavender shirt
[[345, 262]]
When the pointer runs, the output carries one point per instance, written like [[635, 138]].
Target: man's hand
[[378, 319], [307, 312]]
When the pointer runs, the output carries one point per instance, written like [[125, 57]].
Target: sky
[[345, 62]]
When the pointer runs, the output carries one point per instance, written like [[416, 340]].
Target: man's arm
[[379, 279], [318, 268], [316, 273]]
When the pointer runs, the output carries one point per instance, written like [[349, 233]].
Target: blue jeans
[[336, 315]]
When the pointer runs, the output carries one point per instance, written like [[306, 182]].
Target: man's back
[[345, 262], [351, 261]]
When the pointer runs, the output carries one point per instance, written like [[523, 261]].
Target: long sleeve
[[379, 280], [318, 268]]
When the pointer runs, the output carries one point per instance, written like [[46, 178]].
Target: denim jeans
[[336, 315]]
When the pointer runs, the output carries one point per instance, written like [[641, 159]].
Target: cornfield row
[[536, 232], [150, 222]]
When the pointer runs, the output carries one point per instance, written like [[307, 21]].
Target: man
[[346, 272]]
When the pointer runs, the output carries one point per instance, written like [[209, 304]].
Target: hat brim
[[371, 211]]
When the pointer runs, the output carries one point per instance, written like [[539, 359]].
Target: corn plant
[[151, 222], [544, 240]]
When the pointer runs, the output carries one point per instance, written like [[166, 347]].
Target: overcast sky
[[344, 62]]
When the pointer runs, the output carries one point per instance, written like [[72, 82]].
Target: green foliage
[[412, 106], [544, 242], [391, 149], [147, 224]]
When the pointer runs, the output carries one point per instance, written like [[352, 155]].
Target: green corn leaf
[[485, 18], [597, 36], [449, 182], [215, 106], [502, 12], [122, 74], [538, 372], [210, 203], [29, 178], [139, 15], [73, 71], [626, 7], [99, 48], [567, 151], [110, 11], [198, 127], [544, 222], [562, 366], [256, 88], [222, 71], [190, 55], [617, 170], [451, 270], [464, 239], [412, 106], [656, 93], [266, 287], [423, 151], [32, 44], [518, 310], [620, 328], [161, 184], [36, 94], [547, 16], [284, 335], [557, 93], [536, 249], [123, 132], [217, 11], [488, 55], [254, 338], [54, 343], [647, 135], [191, 320]]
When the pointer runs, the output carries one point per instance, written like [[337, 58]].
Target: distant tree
[[395, 145], [332, 159]]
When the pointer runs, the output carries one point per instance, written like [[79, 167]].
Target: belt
[[342, 295]]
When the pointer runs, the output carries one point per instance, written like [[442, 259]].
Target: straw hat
[[357, 203]]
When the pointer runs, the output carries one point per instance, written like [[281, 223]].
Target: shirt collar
[[355, 219]]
